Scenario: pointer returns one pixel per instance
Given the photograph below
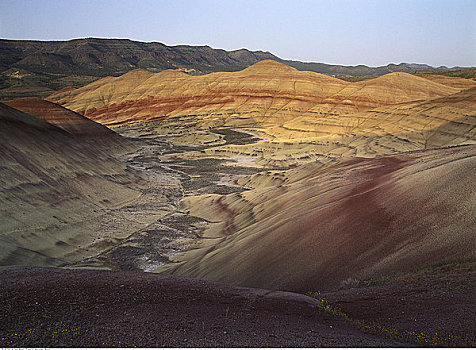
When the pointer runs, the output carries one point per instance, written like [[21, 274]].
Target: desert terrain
[[31, 68], [242, 192]]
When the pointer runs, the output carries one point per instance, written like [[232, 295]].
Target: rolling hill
[[300, 116], [37, 68], [316, 226], [62, 197]]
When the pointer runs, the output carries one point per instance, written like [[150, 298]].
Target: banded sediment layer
[[63, 199], [319, 225], [301, 116]]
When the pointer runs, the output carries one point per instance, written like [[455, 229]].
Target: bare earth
[[112, 308], [265, 178]]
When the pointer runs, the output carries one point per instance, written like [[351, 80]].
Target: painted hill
[[317, 226], [305, 115], [61, 198], [74, 123], [37, 68], [402, 127], [274, 89], [456, 82]]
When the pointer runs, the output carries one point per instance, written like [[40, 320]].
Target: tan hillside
[[301, 116], [439, 122], [61, 199], [267, 93], [444, 121], [319, 225], [394, 88]]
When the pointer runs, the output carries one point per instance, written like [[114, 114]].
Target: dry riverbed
[[174, 172]]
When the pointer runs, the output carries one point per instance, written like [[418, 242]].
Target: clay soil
[[46, 307], [432, 306]]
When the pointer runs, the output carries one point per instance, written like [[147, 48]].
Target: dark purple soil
[[46, 307], [437, 304]]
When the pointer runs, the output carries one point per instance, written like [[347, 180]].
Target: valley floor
[[182, 174]]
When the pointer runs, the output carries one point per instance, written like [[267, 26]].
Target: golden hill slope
[[444, 121], [439, 122], [267, 92], [301, 116], [456, 82], [358, 218], [61, 199]]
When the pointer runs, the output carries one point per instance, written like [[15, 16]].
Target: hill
[[37, 68], [300, 116], [298, 230], [272, 87], [117, 308], [466, 73], [459, 78], [62, 199], [128, 309], [74, 123]]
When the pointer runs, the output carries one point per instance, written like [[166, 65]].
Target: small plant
[[326, 306], [349, 283]]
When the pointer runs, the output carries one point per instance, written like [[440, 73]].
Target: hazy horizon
[[342, 32]]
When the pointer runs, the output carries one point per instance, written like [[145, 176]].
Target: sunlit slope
[[318, 225], [440, 122], [301, 116], [73, 123], [60, 197], [444, 121], [266, 94]]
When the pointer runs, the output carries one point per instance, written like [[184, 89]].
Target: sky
[[348, 32]]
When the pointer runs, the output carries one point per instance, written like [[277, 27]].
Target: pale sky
[[349, 32]]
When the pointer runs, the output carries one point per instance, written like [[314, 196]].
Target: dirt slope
[[433, 305], [74, 123], [61, 199], [456, 82], [358, 218]]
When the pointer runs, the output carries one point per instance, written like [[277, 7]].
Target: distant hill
[[282, 92], [467, 73], [464, 73], [37, 68]]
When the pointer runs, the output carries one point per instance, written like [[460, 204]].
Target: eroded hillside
[[301, 116], [81, 127], [64, 198]]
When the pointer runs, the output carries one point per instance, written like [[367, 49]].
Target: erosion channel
[[173, 173]]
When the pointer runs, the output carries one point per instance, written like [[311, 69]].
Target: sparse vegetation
[[434, 271], [403, 335], [467, 73]]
